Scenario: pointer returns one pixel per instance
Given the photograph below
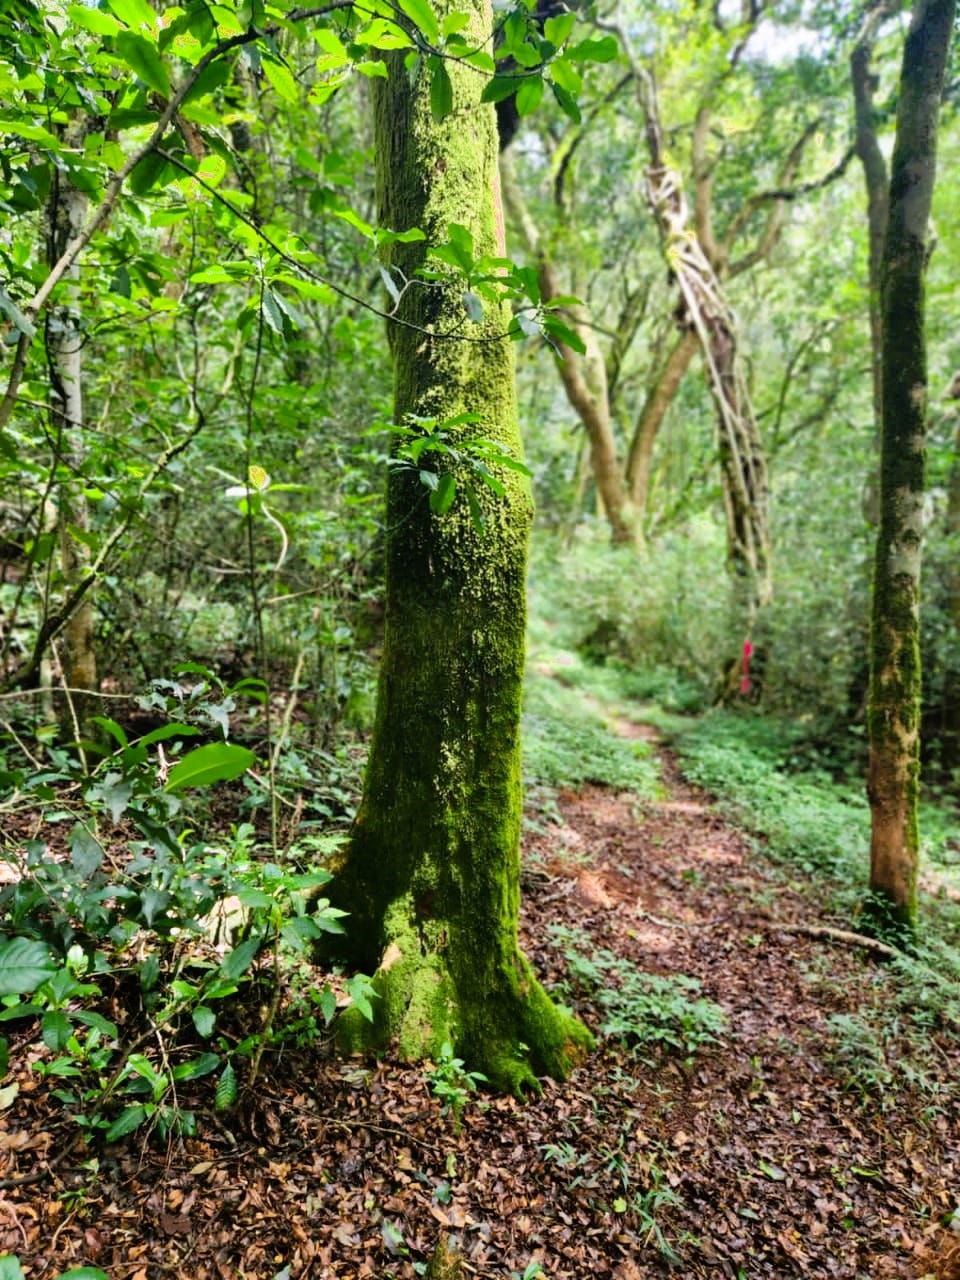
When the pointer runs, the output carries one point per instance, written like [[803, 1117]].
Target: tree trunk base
[[496, 1015]]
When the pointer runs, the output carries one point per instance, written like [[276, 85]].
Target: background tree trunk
[[431, 875], [66, 214], [894, 713]]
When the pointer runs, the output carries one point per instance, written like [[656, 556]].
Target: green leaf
[[420, 12], [441, 93], [56, 1029], [281, 77], [10, 1268], [130, 1118], [24, 965], [529, 95], [85, 852], [501, 87], [328, 1004], [83, 1273], [441, 500], [204, 1019], [360, 990], [216, 762], [12, 313], [602, 50], [173, 730], [145, 173], [240, 959], [135, 13], [95, 20], [226, 1094], [197, 1067], [560, 332], [143, 56], [567, 103], [558, 28]]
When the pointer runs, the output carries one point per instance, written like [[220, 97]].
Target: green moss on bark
[[431, 874], [894, 713]]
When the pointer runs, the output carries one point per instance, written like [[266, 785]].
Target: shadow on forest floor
[[749, 1112]]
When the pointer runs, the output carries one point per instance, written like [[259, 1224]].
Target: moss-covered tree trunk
[[431, 873], [895, 642]]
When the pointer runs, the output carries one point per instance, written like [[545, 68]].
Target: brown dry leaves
[[344, 1169]]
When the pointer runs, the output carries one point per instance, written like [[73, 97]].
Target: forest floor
[[779, 1148]]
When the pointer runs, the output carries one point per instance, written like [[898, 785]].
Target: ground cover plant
[[759, 1094]]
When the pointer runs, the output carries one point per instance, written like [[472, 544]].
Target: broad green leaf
[[31, 133], [373, 70], [567, 103], [111, 727], [197, 1067], [12, 313], [24, 965], [420, 12], [236, 964], [173, 730], [361, 989], [441, 92], [565, 74], [330, 43], [216, 762], [204, 1019], [529, 95], [55, 1029], [146, 173], [135, 13], [90, 1018], [85, 852], [561, 332], [558, 28], [442, 497], [143, 56], [603, 50], [129, 1119], [95, 20], [501, 87], [83, 1273], [281, 78], [10, 1268]]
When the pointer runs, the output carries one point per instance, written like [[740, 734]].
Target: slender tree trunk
[[658, 401], [67, 211], [584, 377], [894, 713], [877, 187], [431, 873]]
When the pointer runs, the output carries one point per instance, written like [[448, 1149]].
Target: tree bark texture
[[894, 712], [66, 213], [431, 871], [877, 185]]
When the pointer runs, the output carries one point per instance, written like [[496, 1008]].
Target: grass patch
[[568, 741]]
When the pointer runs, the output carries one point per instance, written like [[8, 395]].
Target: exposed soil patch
[[763, 1156]]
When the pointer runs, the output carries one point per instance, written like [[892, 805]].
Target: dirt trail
[[765, 1156]]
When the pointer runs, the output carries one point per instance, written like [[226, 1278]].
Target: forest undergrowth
[[766, 1100]]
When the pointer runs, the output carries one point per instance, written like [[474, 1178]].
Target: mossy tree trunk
[[894, 714], [431, 872]]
